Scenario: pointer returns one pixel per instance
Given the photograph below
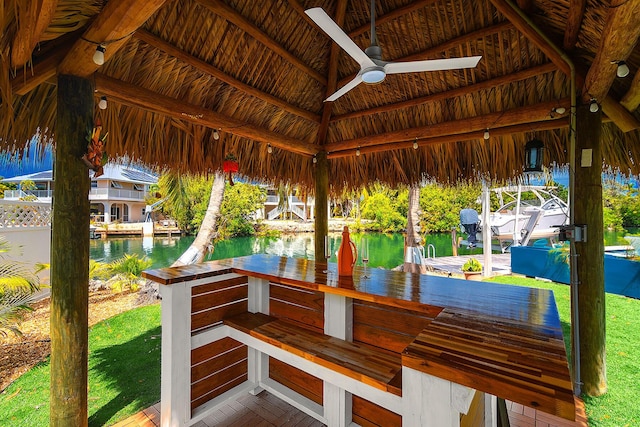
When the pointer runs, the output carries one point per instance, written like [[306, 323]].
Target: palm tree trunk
[[196, 252], [412, 239]]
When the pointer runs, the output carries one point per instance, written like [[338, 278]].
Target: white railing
[[22, 214], [114, 193], [20, 194]]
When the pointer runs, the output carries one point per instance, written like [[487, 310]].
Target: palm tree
[[203, 241], [18, 283], [413, 240]]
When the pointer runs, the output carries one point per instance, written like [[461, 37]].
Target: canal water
[[385, 250]]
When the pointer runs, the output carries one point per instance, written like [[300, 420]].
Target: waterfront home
[[121, 191]]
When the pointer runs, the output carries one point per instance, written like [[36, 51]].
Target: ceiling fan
[[372, 68]]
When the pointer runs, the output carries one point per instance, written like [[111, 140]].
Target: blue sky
[[30, 163]]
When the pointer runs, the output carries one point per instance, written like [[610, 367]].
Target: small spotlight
[[102, 104], [358, 152], [216, 134], [623, 69], [486, 134], [269, 149], [415, 145], [98, 55], [593, 105], [559, 110]]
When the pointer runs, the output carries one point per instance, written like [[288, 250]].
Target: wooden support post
[[413, 239], [338, 322], [70, 255], [590, 254], [322, 197], [429, 401], [258, 362], [175, 389]]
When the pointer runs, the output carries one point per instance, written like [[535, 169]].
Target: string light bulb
[[593, 105], [315, 159], [622, 70], [98, 55], [357, 152], [216, 134], [415, 144], [486, 135], [102, 104], [269, 149]]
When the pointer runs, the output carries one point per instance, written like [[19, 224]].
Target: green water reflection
[[386, 250]]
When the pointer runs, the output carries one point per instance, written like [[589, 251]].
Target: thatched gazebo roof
[[178, 72]]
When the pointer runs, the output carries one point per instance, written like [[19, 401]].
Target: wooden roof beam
[[35, 17], [574, 22], [487, 84], [616, 113], [222, 10], [47, 68], [448, 139], [530, 114], [112, 27], [619, 37], [209, 69], [631, 99], [136, 96], [405, 10], [332, 80], [449, 44]]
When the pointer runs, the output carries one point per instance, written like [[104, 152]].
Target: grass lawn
[[124, 367], [124, 374], [619, 407]]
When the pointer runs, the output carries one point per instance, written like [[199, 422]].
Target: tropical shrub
[[385, 216], [441, 205], [127, 271], [18, 283], [239, 206]]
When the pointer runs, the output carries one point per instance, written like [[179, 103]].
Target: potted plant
[[472, 269]]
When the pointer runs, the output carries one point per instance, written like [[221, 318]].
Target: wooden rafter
[[209, 69], [222, 10], [405, 10], [529, 114], [631, 99], [537, 39], [449, 44], [332, 79], [136, 96], [36, 17], [619, 37], [487, 84], [447, 139], [574, 22], [27, 80], [619, 116], [112, 27]]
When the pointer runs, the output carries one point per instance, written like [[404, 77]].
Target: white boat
[[520, 221]]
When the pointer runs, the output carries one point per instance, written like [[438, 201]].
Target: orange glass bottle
[[347, 254]]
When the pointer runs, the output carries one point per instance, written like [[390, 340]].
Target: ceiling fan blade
[[320, 17], [346, 88], [431, 65]]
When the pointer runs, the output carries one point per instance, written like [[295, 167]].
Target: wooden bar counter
[[502, 340]]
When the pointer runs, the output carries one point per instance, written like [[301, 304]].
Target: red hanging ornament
[[230, 166]]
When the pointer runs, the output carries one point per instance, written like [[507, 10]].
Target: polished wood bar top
[[500, 339]]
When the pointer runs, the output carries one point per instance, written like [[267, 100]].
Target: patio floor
[[266, 410]]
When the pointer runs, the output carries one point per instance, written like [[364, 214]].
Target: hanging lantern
[[533, 156], [230, 166]]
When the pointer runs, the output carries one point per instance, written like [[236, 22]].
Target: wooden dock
[[501, 263]]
